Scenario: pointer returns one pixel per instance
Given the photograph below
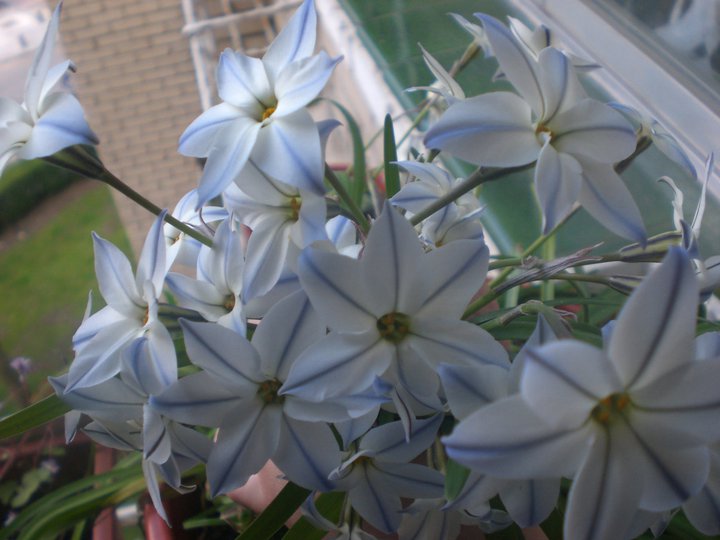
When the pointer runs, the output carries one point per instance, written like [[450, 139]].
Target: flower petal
[[201, 296], [111, 400], [242, 82], [338, 364], [228, 154], [375, 500], [449, 276], [41, 63], [99, 359], [515, 62], [670, 475], [703, 509], [388, 443], [561, 88], [454, 341], [605, 494], [290, 327], [392, 256], [529, 502], [301, 82], [412, 479], [197, 399], [493, 130], [595, 130], [61, 125], [288, 149], [663, 307], [682, 407], [227, 356], [563, 381], [337, 290], [605, 196], [307, 453], [197, 139], [243, 446], [558, 179], [266, 254], [508, 440], [468, 388], [152, 265], [295, 41]]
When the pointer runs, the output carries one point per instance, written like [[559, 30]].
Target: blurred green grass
[[44, 284]]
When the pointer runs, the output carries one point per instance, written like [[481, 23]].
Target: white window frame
[[634, 75]]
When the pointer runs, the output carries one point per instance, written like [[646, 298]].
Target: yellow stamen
[[229, 302], [268, 112], [295, 204], [608, 407]]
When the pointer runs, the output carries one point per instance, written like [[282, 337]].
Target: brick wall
[[136, 82]]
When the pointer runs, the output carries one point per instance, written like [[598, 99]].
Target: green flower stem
[[505, 263], [114, 182], [477, 178], [78, 160], [537, 244], [585, 278], [492, 294], [347, 199], [547, 290]]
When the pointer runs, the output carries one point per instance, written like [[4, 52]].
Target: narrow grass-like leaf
[[65, 514], [276, 514], [358, 185], [392, 173], [89, 494], [330, 506], [35, 415]]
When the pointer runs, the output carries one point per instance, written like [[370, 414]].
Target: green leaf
[[392, 173], [35, 415], [74, 502], [276, 514], [455, 477], [330, 506], [358, 185]]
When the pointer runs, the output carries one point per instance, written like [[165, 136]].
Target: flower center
[[609, 406], [146, 317], [268, 113], [543, 133], [295, 204], [394, 326], [229, 302], [268, 392]]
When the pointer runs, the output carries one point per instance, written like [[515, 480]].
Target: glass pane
[[682, 35]]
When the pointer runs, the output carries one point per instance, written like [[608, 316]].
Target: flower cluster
[[356, 360]]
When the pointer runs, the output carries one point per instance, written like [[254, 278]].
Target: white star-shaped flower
[[630, 423], [49, 119], [394, 314], [262, 117], [131, 311], [574, 139]]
